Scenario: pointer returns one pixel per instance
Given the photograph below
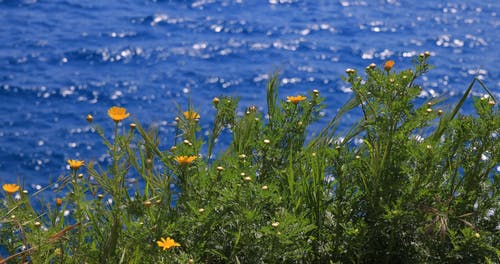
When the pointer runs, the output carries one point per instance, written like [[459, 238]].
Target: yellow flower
[[167, 243], [296, 99], [11, 188], [75, 164], [388, 65], [184, 160], [190, 115], [118, 113]]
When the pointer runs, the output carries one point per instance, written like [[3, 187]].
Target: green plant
[[409, 183]]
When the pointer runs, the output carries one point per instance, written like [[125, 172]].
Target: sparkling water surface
[[63, 59]]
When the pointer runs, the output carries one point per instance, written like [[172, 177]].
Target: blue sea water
[[63, 59]]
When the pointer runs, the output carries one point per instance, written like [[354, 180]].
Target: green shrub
[[409, 183]]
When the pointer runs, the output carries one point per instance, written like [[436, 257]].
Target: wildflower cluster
[[411, 182]]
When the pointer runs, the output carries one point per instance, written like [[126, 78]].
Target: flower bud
[[315, 92], [429, 110], [275, 224], [90, 118], [372, 66], [132, 126], [220, 168], [59, 201], [247, 179], [491, 102], [440, 112], [147, 203], [201, 210], [266, 141], [215, 101], [427, 54], [350, 71], [252, 109], [265, 187]]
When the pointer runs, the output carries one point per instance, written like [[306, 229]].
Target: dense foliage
[[411, 182]]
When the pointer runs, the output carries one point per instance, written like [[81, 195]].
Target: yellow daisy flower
[[118, 113], [11, 188], [190, 115], [75, 164], [388, 65], [296, 99], [185, 160], [167, 243]]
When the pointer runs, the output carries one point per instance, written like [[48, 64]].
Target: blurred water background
[[63, 59]]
